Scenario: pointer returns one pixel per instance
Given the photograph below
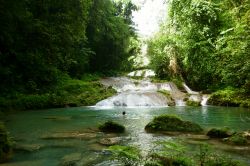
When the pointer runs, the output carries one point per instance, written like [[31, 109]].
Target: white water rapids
[[144, 93]]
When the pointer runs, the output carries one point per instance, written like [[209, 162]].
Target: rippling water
[[28, 128]]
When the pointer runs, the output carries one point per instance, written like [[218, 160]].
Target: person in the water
[[123, 113]]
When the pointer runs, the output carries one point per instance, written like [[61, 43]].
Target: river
[[43, 135]]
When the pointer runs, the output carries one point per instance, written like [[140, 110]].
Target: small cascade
[[135, 99], [189, 91], [193, 95], [204, 100], [179, 102], [133, 93], [142, 73]]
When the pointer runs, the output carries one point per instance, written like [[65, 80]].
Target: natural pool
[[36, 132]]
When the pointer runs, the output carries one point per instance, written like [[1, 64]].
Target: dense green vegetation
[[230, 97], [171, 153], [68, 93], [41, 42], [206, 44]]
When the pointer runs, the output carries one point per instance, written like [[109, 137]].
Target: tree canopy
[[40, 41], [207, 42]]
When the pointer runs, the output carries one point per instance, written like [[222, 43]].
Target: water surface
[[30, 127]]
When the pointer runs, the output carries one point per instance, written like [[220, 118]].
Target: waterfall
[[141, 93], [204, 100], [144, 93], [179, 102], [133, 93], [135, 99], [189, 91]]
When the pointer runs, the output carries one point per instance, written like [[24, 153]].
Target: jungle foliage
[[42, 41], [204, 43]]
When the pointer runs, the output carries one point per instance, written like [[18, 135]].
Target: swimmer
[[123, 113]]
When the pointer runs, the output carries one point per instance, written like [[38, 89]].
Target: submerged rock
[[171, 123], [112, 127], [110, 141], [97, 147], [219, 133], [28, 147], [71, 159], [59, 118], [69, 135]]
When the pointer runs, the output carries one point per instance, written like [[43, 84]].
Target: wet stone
[[71, 159], [69, 135], [110, 141], [28, 147]]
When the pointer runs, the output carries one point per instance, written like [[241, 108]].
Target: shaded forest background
[[208, 41], [207, 45], [42, 40]]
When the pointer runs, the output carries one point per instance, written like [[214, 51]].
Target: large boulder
[[219, 133], [171, 123], [111, 127]]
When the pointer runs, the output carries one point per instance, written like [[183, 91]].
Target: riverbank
[[68, 93], [230, 97]]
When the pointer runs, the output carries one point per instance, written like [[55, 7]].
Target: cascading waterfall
[[189, 91], [133, 93], [196, 96], [144, 93]]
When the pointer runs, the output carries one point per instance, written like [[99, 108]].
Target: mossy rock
[[5, 144], [237, 139], [193, 103], [171, 123], [111, 127], [219, 133]]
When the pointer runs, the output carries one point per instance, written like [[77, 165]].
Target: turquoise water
[[30, 128]]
